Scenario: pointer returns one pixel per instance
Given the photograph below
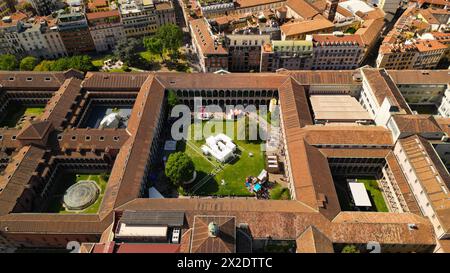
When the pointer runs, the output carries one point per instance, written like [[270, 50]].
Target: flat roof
[[359, 194], [338, 108], [140, 230]]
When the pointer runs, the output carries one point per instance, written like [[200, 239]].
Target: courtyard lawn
[[279, 193], [14, 112], [55, 204], [375, 194], [232, 173], [371, 184], [150, 57]]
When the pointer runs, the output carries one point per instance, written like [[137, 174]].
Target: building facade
[[106, 29]]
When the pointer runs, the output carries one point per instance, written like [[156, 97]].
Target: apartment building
[[75, 34], [106, 29], [211, 53], [9, 37], [427, 179], [336, 51], [244, 51], [141, 18], [292, 55], [418, 54], [39, 37], [299, 30], [411, 44]]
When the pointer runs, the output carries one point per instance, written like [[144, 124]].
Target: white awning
[[359, 194]]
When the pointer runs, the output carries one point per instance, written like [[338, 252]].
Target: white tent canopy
[[220, 146], [359, 194]]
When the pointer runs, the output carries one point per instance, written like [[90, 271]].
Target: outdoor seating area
[[258, 185], [111, 65]]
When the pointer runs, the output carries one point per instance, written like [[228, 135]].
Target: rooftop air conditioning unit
[[445, 138]]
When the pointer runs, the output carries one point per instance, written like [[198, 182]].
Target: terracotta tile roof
[[420, 76], [370, 30], [17, 176], [251, 3], [431, 173], [308, 77], [332, 40], [14, 80], [204, 39], [224, 242], [314, 241], [129, 168], [302, 8], [283, 220], [93, 139], [383, 87], [348, 135], [56, 110], [294, 106], [429, 45], [114, 81], [444, 123], [35, 131], [402, 183], [304, 27], [195, 81], [417, 124], [102, 14]]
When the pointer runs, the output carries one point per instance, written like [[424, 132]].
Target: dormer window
[[11, 79], [102, 138]]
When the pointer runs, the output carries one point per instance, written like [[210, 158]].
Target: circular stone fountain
[[81, 195]]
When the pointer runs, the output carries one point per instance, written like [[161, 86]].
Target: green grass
[[15, 111], [150, 57], [55, 204], [375, 194], [34, 111], [279, 193], [234, 172]]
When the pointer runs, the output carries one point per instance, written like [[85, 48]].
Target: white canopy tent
[[359, 194]]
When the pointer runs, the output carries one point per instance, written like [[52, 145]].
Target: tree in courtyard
[[127, 51], [154, 45], [45, 65], [171, 37], [179, 168], [8, 62], [28, 63], [172, 99], [350, 249]]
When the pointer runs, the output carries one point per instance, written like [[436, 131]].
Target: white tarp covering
[[359, 194], [154, 193]]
